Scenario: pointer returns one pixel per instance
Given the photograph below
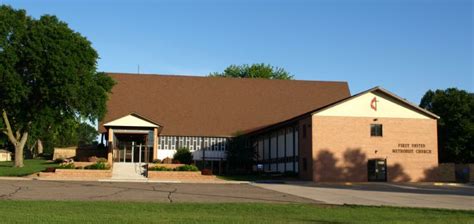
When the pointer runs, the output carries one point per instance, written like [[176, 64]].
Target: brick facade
[[180, 176], [78, 174], [341, 147]]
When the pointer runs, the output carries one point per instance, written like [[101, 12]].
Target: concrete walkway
[[127, 171], [404, 195]]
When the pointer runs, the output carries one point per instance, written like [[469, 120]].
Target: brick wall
[[78, 174], [342, 146], [83, 164], [80, 154], [179, 175], [64, 153]]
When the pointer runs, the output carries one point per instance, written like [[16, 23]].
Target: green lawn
[[136, 212], [30, 166]]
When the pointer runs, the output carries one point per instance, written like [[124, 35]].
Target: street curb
[[16, 178], [125, 180]]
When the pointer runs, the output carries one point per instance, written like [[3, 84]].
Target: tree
[[261, 70], [456, 124], [47, 77]]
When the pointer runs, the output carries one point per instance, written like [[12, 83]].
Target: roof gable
[[376, 102], [131, 120]]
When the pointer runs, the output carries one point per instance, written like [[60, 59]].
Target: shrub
[[167, 160], [206, 172], [59, 160], [50, 169], [66, 166], [97, 166], [290, 174], [183, 155], [180, 168], [187, 168], [102, 160], [159, 168], [157, 161]]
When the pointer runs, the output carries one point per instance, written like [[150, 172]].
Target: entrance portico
[[132, 138]]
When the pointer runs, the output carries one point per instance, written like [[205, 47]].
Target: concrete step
[[127, 171]]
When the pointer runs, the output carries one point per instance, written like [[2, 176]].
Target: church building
[[315, 129]]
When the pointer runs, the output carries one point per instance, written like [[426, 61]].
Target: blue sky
[[405, 46]]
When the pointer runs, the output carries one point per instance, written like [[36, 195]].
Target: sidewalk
[[402, 195]]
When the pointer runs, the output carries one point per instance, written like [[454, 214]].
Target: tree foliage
[[261, 70], [47, 76], [456, 125], [74, 133]]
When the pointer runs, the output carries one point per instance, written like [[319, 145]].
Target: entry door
[[377, 170], [133, 153]]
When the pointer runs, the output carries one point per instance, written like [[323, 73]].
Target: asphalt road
[[426, 195], [150, 192], [405, 195]]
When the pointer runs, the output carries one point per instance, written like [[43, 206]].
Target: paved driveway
[[152, 192], [406, 195]]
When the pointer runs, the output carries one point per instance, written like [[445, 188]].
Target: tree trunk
[[19, 146], [18, 159], [32, 150], [18, 141], [39, 147]]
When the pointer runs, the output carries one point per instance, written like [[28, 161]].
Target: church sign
[[411, 148]]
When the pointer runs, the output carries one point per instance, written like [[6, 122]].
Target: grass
[[30, 166], [137, 212]]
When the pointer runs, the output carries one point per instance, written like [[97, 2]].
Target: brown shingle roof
[[211, 106]]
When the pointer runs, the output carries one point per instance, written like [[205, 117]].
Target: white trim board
[[130, 120]]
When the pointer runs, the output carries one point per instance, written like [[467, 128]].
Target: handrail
[[140, 158]]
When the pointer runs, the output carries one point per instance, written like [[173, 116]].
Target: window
[[376, 130]]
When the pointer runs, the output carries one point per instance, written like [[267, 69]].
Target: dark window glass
[[305, 165], [375, 130]]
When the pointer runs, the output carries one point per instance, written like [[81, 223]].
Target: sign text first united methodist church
[[411, 148]]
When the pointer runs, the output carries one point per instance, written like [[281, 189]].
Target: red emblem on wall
[[373, 103]]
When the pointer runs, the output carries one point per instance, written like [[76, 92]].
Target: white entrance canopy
[[131, 124], [131, 120]]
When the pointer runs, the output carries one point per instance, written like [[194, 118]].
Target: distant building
[[313, 128], [5, 155]]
